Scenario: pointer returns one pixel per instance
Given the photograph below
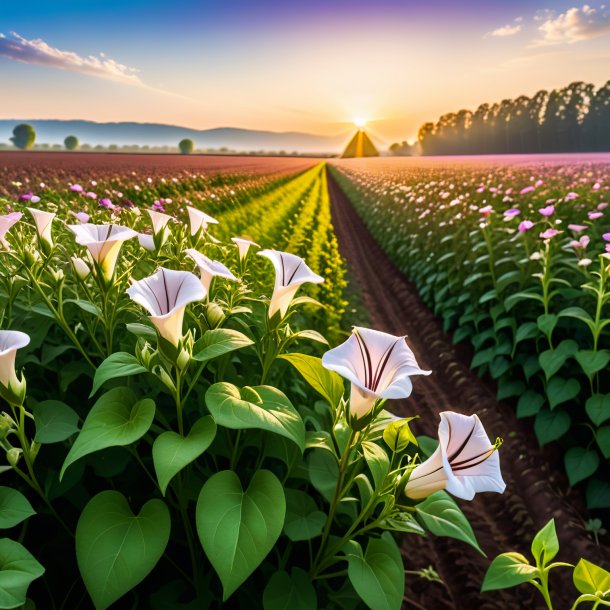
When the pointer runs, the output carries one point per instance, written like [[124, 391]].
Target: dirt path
[[536, 489]]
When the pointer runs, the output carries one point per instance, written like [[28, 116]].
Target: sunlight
[[360, 123]]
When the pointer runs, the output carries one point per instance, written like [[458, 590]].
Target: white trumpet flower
[[81, 268], [159, 227], [146, 241], [199, 220], [290, 272], [43, 221], [103, 243], [243, 246], [10, 342], [165, 295], [208, 269], [379, 365], [6, 222], [464, 463]]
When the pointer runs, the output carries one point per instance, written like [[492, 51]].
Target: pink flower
[[539, 183], [596, 186], [508, 214], [91, 195], [602, 206], [106, 203], [571, 196], [526, 190], [26, 196], [577, 228], [525, 225], [594, 215], [583, 242], [157, 206], [486, 211], [76, 188], [549, 233], [606, 236], [481, 188], [82, 217], [607, 247], [549, 210]]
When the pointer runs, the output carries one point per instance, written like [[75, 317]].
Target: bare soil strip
[[536, 489]]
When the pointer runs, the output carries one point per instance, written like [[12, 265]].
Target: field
[[223, 417]]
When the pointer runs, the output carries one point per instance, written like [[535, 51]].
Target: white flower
[[379, 365], [81, 268], [43, 222], [82, 217], [159, 227], [464, 463], [243, 246], [290, 272], [6, 222], [10, 342], [165, 295], [146, 241], [199, 220], [584, 262], [103, 243], [208, 269]]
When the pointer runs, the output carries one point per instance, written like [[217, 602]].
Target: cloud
[[37, 51], [575, 25], [507, 30]]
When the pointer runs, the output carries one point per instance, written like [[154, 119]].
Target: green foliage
[[186, 146], [23, 136], [18, 568], [71, 143]]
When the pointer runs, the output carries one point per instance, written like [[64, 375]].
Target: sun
[[360, 123]]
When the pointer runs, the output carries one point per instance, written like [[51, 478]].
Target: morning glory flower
[[209, 269], [43, 221], [548, 210], [82, 217], [549, 233], [10, 342], [525, 225], [290, 272], [577, 228], [508, 214], [146, 241], [526, 190], [199, 220], [464, 463], [243, 246], [103, 243], [159, 227], [6, 222], [165, 295], [76, 188], [377, 364], [583, 242]]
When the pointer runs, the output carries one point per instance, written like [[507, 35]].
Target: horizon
[[305, 68]]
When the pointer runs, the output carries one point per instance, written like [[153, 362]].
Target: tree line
[[575, 118]]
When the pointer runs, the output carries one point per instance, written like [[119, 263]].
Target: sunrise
[[304, 305]]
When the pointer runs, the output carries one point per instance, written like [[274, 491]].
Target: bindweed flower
[[199, 220], [159, 227], [547, 211], [146, 241], [525, 225], [243, 246], [526, 190], [165, 295], [606, 236], [377, 364], [508, 214], [577, 228], [76, 188], [209, 269], [486, 210], [290, 272], [549, 233], [6, 222], [584, 262], [103, 243], [82, 217], [10, 342], [43, 221], [581, 243], [464, 463], [594, 215], [80, 267], [104, 202]]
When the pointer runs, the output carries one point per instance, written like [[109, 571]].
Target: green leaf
[[545, 544], [87, 306], [397, 435], [55, 421], [327, 383], [442, 517], [579, 313], [378, 575], [262, 407], [218, 342], [311, 335], [238, 528], [172, 452], [529, 330], [598, 408], [304, 520], [323, 472], [142, 330], [508, 570], [551, 425], [293, 591], [18, 568], [598, 493], [115, 420], [561, 390], [552, 360], [590, 579], [591, 361], [602, 436], [580, 464], [116, 549], [119, 364], [377, 461], [14, 508], [529, 404], [547, 322]]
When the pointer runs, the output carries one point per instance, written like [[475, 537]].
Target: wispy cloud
[[506, 30], [574, 25], [37, 51]]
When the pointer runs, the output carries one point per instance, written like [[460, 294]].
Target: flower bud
[[214, 315], [58, 276], [183, 359], [30, 257], [6, 425], [13, 455], [80, 267]]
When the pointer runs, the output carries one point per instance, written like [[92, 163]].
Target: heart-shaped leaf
[[545, 544], [552, 360], [115, 420], [55, 421], [262, 407], [529, 404], [116, 549], [119, 364], [238, 528], [561, 390], [304, 520], [508, 570], [602, 437], [294, 591], [217, 342], [547, 322], [598, 408], [591, 361], [172, 452], [590, 579], [580, 463], [551, 425], [14, 507], [18, 568]]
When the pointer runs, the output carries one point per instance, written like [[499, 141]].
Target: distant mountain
[[158, 134]]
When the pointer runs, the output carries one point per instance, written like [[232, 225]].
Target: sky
[[285, 65]]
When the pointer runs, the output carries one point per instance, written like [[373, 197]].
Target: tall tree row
[[575, 118]]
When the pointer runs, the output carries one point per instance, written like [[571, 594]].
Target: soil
[[536, 489]]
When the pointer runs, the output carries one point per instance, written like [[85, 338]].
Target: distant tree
[[71, 143], [24, 136], [113, 147], [186, 146], [56, 147]]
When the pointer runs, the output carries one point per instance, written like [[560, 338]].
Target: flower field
[[189, 420], [515, 260]]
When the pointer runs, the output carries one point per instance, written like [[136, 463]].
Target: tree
[[71, 143], [186, 146], [24, 136]]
